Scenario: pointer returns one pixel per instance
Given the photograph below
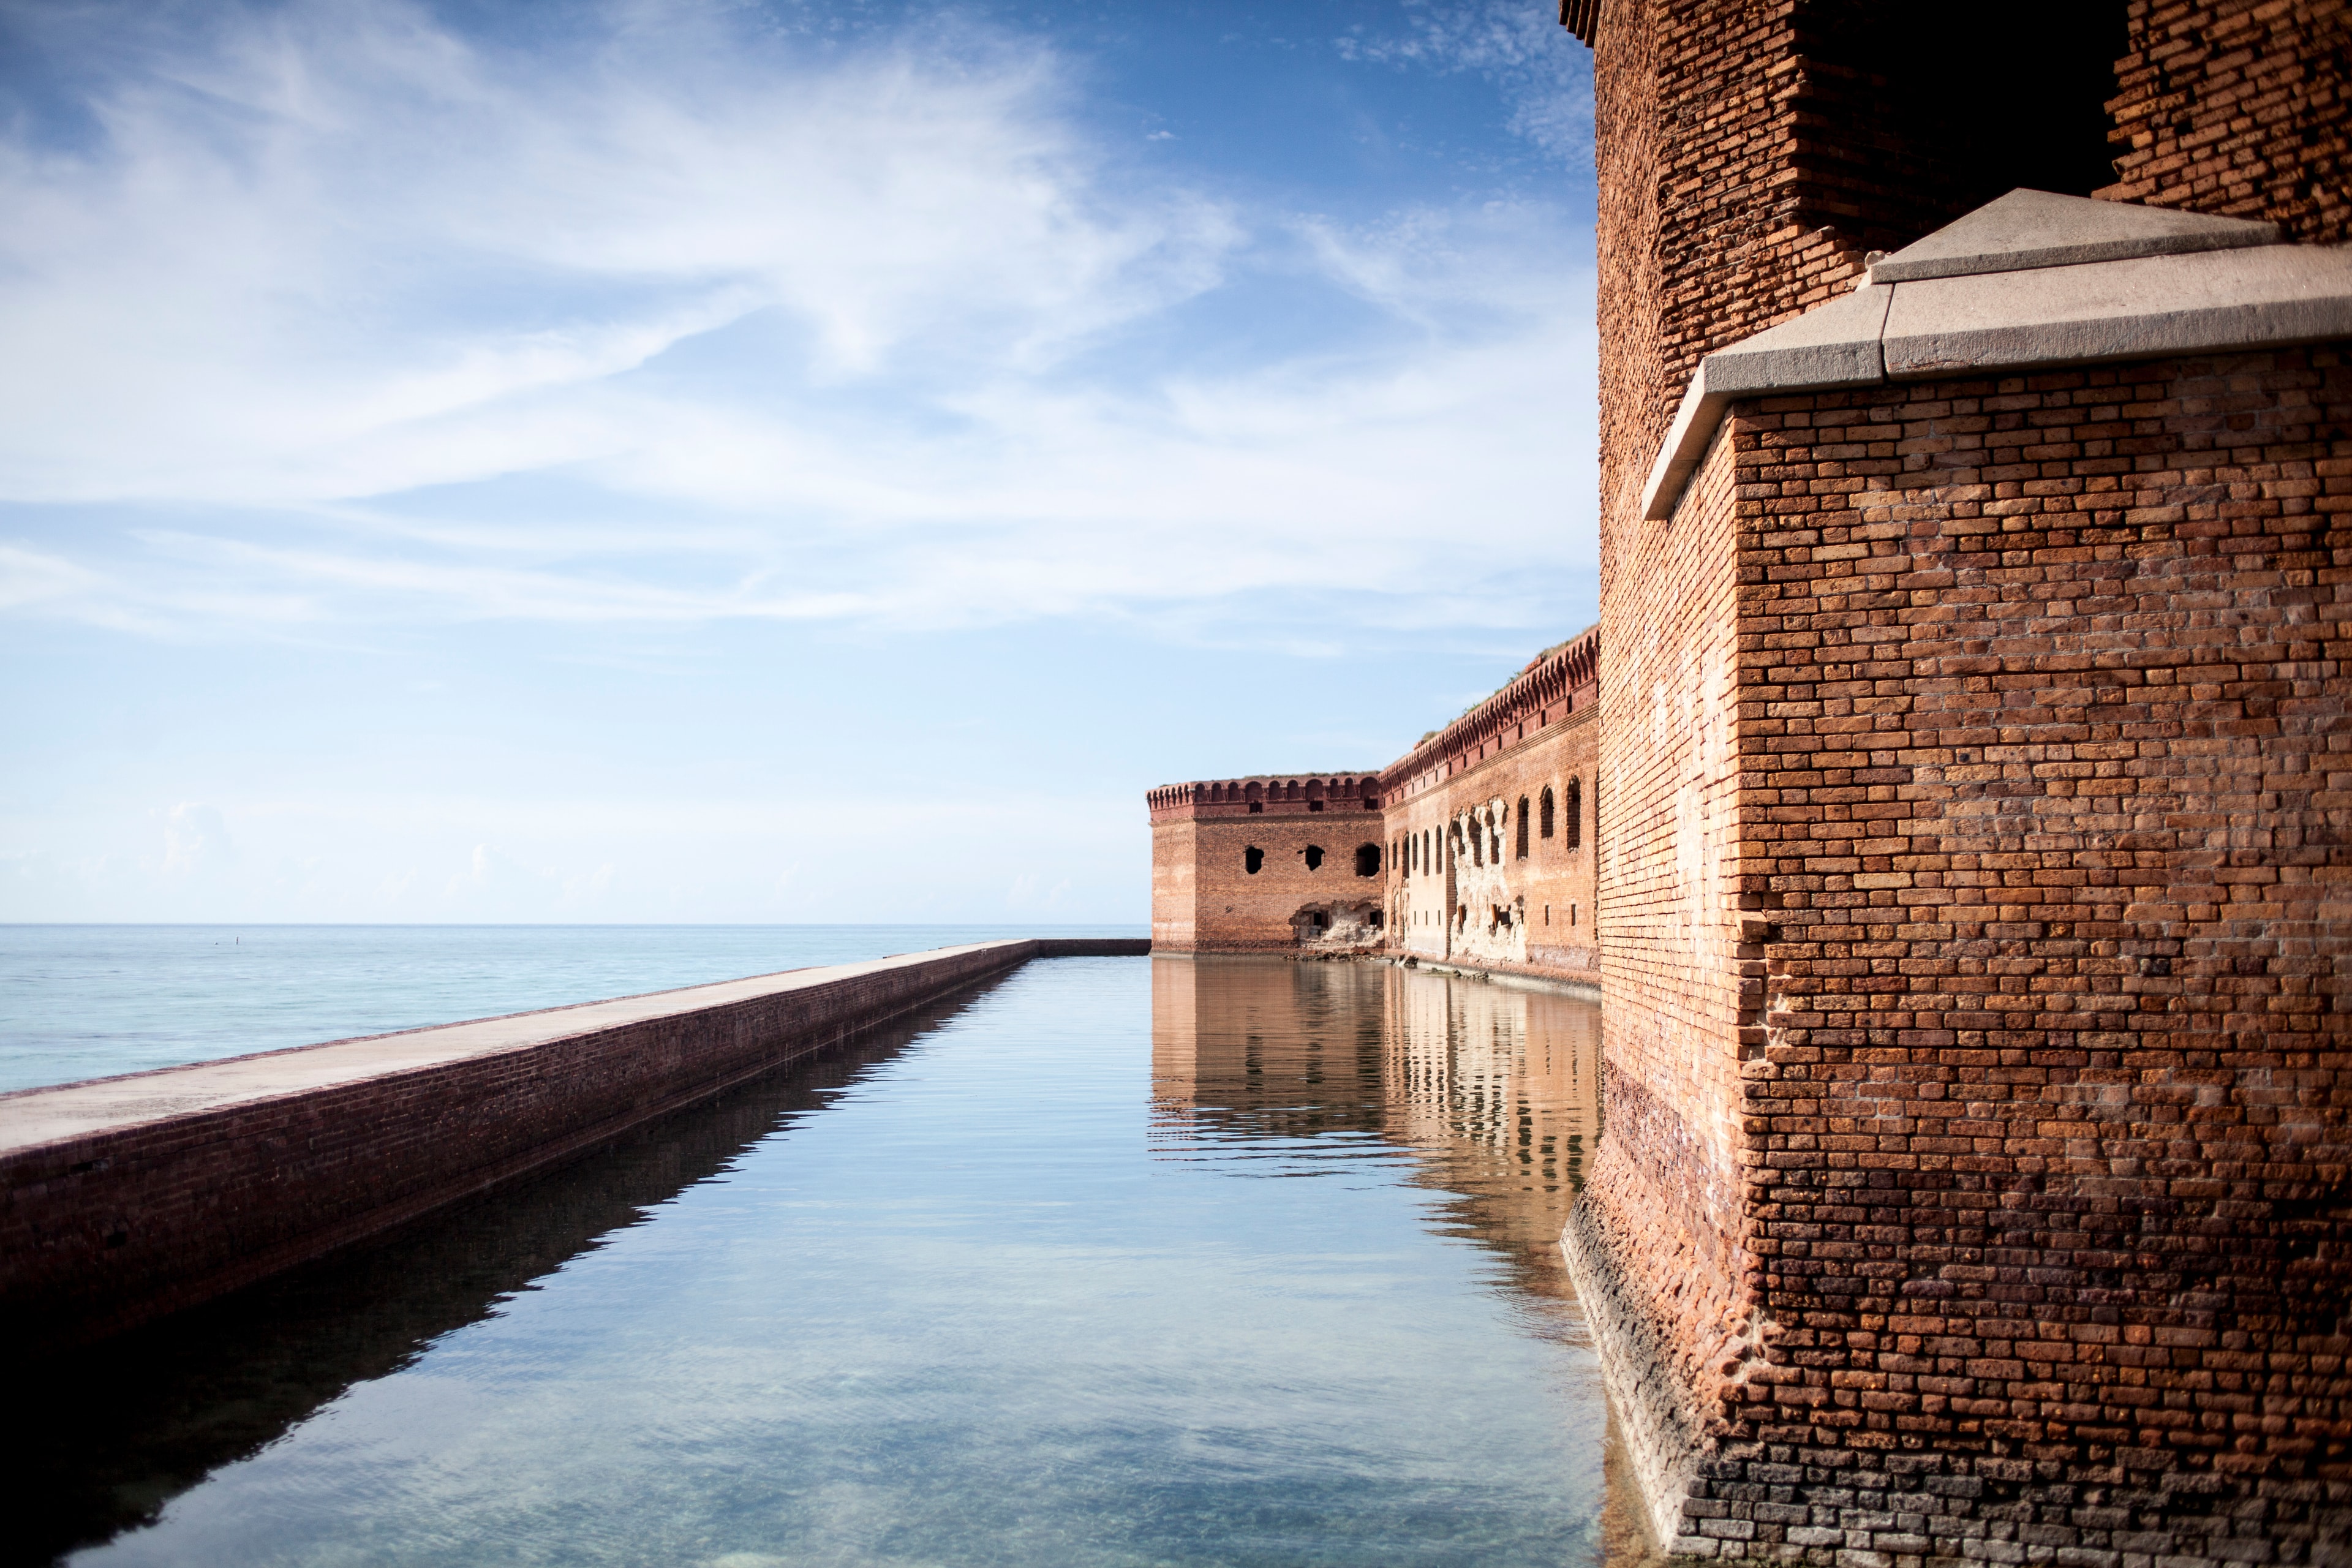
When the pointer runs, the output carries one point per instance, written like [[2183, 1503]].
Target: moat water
[[1115, 1261]]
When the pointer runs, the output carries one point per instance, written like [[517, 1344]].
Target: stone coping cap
[[2043, 318], [2028, 229], [29, 1117]]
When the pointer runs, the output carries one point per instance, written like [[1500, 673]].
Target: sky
[[748, 460]]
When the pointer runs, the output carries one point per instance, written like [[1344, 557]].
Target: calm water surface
[[90, 1001], [1116, 1261]]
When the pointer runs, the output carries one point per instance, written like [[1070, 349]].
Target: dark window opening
[[1315, 857], [1574, 838], [1371, 803], [1368, 859], [1379, 919], [1523, 827], [1314, 805], [1544, 829], [1258, 808], [1939, 120], [1253, 859], [1322, 921]]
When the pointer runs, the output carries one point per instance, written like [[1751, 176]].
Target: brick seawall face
[[115, 1208]]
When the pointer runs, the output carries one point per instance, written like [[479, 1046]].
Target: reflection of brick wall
[[2238, 108]]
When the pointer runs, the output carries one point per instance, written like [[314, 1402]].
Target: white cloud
[[835, 336]]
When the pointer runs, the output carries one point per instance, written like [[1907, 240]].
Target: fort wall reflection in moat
[[1492, 1090]]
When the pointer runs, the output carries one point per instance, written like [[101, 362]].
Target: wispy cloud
[[337, 315], [1520, 47]]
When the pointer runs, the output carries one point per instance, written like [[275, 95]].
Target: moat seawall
[[122, 1199]]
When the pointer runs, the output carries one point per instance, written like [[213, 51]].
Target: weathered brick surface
[[1241, 865], [1461, 862], [1664, 1204], [2239, 107], [1974, 934], [1482, 874], [1753, 152], [2043, 738], [102, 1231], [2031, 741]]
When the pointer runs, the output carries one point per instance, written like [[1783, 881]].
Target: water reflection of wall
[[1493, 1090]]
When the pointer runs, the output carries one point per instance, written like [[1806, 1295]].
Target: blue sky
[[758, 461]]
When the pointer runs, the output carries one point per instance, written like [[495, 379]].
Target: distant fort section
[[1472, 848], [1967, 803]]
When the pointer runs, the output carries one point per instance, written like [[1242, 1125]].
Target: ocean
[[91, 1000]]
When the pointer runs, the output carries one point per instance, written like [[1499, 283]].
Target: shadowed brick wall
[[1753, 152], [2239, 109]]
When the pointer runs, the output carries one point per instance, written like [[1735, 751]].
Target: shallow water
[[90, 1001], [1116, 1261]]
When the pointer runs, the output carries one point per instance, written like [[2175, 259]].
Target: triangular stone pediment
[[2027, 229]]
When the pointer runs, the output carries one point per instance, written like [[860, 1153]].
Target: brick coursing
[[1449, 820], [2238, 108], [1974, 875], [2045, 1237]]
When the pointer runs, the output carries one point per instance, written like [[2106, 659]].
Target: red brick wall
[[1539, 731], [1204, 898], [2044, 731], [1663, 1216], [102, 1231], [1703, 235], [1909, 1227], [2045, 1133], [1241, 912], [1175, 890], [2239, 107], [1551, 889]]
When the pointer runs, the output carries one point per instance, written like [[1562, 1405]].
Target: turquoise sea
[[1116, 1261], [90, 1001]]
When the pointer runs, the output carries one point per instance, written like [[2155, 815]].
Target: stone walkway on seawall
[[124, 1198]]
